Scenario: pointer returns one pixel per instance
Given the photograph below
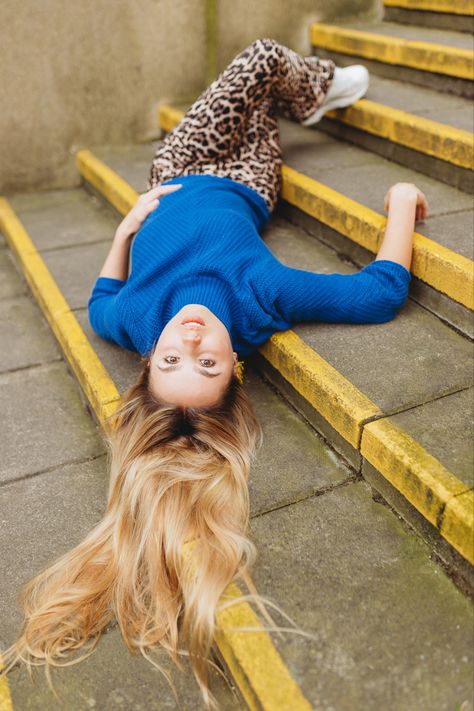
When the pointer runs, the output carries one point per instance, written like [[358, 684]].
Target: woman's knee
[[264, 47]]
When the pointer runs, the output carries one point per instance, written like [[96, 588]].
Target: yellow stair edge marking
[[421, 478], [453, 7], [440, 267], [456, 525], [81, 356], [345, 408], [327, 390], [6, 703], [264, 680], [250, 650], [442, 141], [426, 56], [117, 191]]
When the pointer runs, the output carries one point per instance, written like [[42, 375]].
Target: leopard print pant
[[232, 130]]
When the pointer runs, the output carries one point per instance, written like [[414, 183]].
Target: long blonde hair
[[175, 475]]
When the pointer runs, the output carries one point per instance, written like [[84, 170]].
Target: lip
[[194, 321]]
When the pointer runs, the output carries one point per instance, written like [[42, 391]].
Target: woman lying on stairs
[[203, 290]]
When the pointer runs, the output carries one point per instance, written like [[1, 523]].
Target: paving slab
[[441, 20], [367, 183], [62, 218], [26, 335], [41, 519], [390, 629], [36, 404]]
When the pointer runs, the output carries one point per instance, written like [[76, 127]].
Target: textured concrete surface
[[67, 83], [11, 286], [83, 217], [365, 177], [388, 630], [27, 334], [39, 404], [416, 34]]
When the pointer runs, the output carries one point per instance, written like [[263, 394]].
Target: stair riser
[[440, 82], [458, 177], [437, 20], [439, 304]]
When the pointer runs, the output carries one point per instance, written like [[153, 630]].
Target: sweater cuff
[[387, 266]]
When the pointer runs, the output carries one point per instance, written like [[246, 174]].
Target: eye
[[171, 360], [207, 362]]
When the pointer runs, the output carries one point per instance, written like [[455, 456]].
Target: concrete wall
[[76, 73], [79, 73], [242, 21]]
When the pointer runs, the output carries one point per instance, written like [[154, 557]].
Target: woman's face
[[193, 360]]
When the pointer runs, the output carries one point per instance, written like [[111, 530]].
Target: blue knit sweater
[[202, 246]]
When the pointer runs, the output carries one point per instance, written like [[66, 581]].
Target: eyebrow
[[171, 368]]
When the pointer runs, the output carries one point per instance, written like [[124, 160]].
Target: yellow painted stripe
[[454, 7], [248, 652], [116, 190], [346, 409], [456, 526], [263, 679], [421, 478], [442, 141], [6, 703], [168, 117], [329, 392], [440, 267], [426, 56], [94, 379]]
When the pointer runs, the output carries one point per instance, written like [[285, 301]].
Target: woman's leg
[[231, 129]]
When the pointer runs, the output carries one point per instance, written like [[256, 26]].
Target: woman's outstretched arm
[[404, 203], [375, 293]]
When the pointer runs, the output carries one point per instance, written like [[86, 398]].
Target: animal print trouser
[[232, 131]]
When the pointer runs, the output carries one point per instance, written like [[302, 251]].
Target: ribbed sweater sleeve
[[372, 295], [103, 311]]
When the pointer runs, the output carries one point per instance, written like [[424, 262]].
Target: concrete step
[[454, 15], [440, 59], [434, 137], [340, 189], [340, 388], [310, 518]]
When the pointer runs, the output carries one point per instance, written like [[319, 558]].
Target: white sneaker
[[348, 85]]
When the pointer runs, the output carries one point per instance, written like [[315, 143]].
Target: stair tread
[[448, 38], [365, 177], [449, 109], [301, 543]]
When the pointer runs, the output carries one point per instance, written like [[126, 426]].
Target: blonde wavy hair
[[176, 475]]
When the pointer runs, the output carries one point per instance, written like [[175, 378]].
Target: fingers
[[158, 191]]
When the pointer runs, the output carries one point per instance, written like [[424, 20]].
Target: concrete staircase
[[354, 459]]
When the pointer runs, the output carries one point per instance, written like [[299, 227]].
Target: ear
[[236, 358]]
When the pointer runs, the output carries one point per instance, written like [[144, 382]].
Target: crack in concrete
[[319, 492], [31, 366], [399, 411], [63, 247], [48, 470]]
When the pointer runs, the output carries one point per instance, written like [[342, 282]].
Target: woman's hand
[[146, 203], [407, 191]]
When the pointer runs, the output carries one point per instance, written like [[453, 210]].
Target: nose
[[191, 336]]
